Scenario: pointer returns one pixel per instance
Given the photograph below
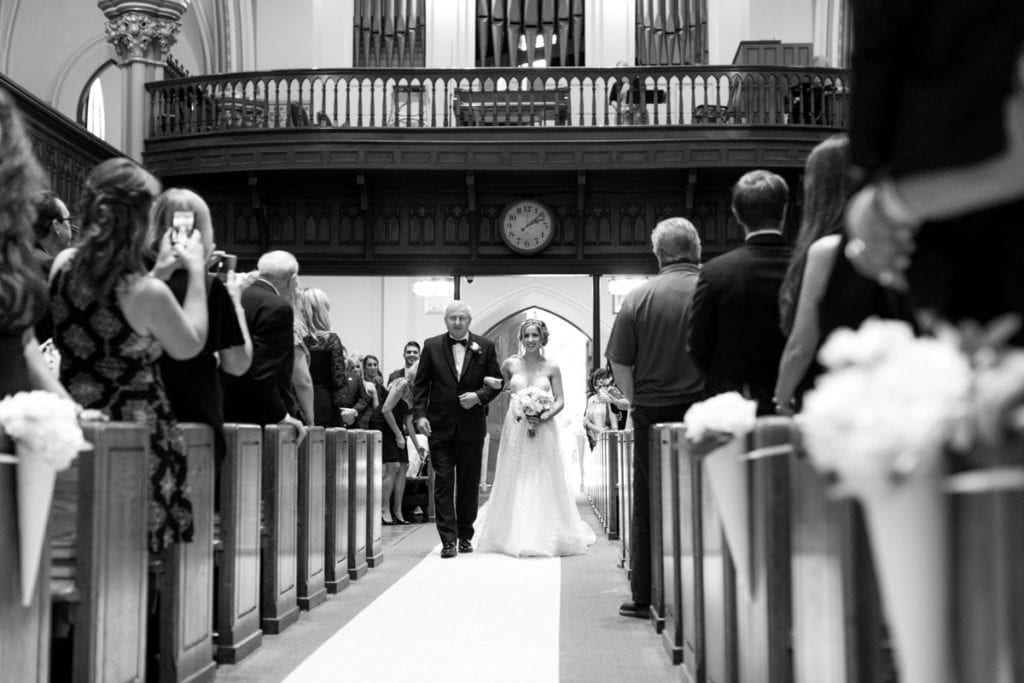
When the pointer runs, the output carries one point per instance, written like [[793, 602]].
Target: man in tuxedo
[[410, 355], [734, 337], [449, 406], [264, 395], [53, 233]]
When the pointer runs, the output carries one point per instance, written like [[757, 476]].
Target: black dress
[[106, 365], [391, 452], [28, 308], [327, 369], [850, 299], [193, 386]]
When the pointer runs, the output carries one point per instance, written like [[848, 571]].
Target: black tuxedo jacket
[[437, 388], [352, 394], [733, 332], [263, 395]]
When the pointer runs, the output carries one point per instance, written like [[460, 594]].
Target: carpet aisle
[[477, 617]]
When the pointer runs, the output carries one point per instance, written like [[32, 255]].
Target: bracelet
[[892, 206]]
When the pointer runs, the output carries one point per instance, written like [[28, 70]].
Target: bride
[[531, 511]]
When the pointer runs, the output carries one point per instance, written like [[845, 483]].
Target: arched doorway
[[571, 348]]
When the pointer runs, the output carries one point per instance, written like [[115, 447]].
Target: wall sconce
[[620, 287], [434, 287]]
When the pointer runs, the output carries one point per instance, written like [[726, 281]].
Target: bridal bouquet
[[47, 438], [531, 402]]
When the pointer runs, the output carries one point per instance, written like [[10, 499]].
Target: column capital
[[142, 31]]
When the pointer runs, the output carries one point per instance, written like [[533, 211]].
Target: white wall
[[451, 34], [379, 314]]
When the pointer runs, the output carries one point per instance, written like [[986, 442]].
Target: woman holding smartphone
[[193, 385]]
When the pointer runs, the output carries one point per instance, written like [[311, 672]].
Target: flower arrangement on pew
[[716, 430], [886, 422], [530, 402], [47, 438]]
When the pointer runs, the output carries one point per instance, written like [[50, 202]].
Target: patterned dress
[[107, 366]]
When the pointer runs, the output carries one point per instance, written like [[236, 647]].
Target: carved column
[[142, 33]]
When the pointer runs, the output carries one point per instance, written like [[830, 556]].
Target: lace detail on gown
[[531, 511]]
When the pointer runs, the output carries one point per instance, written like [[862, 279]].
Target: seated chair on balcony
[[298, 117], [524, 107]]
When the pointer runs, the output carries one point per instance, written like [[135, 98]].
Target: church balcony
[[571, 119]]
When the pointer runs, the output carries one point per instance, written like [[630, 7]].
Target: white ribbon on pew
[[768, 451], [6, 459]]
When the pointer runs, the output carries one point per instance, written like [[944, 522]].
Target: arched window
[[96, 110]]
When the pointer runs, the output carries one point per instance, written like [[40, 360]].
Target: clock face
[[527, 226]]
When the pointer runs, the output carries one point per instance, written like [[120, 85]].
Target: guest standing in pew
[[919, 108], [410, 354], [263, 395], [326, 356], [194, 386], [398, 427], [23, 297], [53, 233], [351, 398], [821, 291], [733, 335], [450, 401], [112, 322], [374, 386], [653, 371]]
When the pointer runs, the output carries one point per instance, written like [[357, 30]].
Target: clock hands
[[536, 219]]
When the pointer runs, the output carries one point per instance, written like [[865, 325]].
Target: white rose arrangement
[[474, 347], [889, 405], [44, 425], [722, 417]]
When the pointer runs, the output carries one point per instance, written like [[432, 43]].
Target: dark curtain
[[501, 24], [389, 33], [671, 32]]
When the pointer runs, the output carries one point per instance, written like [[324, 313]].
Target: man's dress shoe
[[465, 547], [448, 550]]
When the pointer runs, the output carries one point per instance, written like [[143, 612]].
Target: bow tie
[[453, 341]]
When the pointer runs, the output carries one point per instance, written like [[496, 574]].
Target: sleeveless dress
[[531, 512], [107, 366]]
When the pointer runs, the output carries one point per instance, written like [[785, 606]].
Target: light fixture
[[434, 287], [624, 285]]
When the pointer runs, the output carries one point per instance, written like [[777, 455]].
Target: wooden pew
[[100, 574], [237, 614], [657, 549], [612, 484], [596, 480], [24, 631], [279, 607], [624, 450], [337, 507], [714, 591], [185, 612], [669, 441], [764, 613], [987, 507], [357, 486], [374, 528], [312, 467]]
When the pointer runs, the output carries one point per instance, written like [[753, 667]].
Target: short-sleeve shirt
[[193, 386], [649, 335]]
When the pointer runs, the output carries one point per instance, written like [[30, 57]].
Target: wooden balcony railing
[[457, 98]]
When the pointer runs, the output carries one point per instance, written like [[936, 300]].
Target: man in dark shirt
[[653, 371], [734, 336], [53, 232], [410, 355]]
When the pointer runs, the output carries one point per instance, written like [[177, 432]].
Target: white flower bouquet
[[720, 417], [530, 402], [889, 405], [47, 437]]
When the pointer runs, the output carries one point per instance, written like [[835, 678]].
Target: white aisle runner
[[476, 617]]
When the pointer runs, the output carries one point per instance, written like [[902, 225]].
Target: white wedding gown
[[531, 512]]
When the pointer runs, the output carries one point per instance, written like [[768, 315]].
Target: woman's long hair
[[826, 191], [314, 309], [22, 287], [115, 217], [161, 216]]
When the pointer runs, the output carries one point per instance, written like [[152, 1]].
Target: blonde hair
[[313, 308]]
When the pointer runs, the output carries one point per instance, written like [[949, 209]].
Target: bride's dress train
[[531, 511]]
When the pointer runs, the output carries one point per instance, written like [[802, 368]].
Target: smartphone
[[182, 225]]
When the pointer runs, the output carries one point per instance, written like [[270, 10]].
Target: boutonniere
[[474, 347]]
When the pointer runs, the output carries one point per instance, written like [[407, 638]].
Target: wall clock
[[527, 226]]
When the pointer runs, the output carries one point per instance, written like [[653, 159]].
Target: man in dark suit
[[410, 354], [449, 405], [264, 395], [351, 397], [733, 334], [53, 233]]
